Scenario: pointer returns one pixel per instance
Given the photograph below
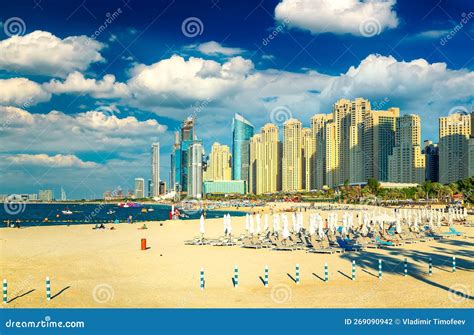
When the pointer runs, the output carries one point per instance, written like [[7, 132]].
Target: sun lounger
[[283, 246]]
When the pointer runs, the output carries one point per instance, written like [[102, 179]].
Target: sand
[[106, 268]]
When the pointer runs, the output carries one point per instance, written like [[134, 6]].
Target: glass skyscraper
[[242, 131]]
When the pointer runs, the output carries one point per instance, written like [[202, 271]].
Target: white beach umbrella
[[247, 222], [286, 231], [229, 225], [251, 224], [265, 222], [257, 220], [312, 225], [398, 227]]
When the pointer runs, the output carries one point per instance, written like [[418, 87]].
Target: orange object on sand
[[143, 244]]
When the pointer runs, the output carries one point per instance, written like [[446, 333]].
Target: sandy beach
[[106, 268]]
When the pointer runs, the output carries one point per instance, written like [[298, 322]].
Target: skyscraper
[[242, 131], [265, 164], [194, 178], [454, 133], [255, 165], [307, 158], [139, 188], [184, 138], [155, 170], [332, 153], [63, 195], [431, 152], [378, 142], [292, 179], [348, 131], [219, 166], [318, 129], [271, 159], [407, 164]]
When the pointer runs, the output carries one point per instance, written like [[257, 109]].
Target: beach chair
[[283, 246], [252, 243]]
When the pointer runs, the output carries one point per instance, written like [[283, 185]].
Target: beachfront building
[[307, 158], [292, 179], [348, 131], [219, 165], [255, 165], [265, 153], [378, 141], [318, 130], [470, 160], [180, 161], [431, 152], [407, 163], [224, 187], [46, 195], [242, 131], [139, 188], [175, 161], [331, 155], [155, 170], [454, 134], [194, 178]]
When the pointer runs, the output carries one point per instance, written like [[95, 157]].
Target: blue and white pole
[[326, 272], [202, 278], [236, 276], [353, 270], [430, 267], [454, 263], [297, 278], [265, 276], [4, 291], [405, 267], [380, 269], [48, 289]]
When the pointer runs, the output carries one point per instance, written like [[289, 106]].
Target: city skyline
[[89, 116]]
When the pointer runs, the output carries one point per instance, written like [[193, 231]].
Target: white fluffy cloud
[[214, 48], [57, 161], [92, 131], [43, 53], [21, 91], [189, 80], [76, 83], [356, 17]]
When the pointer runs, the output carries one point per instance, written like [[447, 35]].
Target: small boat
[[110, 212], [66, 211], [130, 204], [151, 209], [144, 210]]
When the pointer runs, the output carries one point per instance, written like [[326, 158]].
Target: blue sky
[[82, 99]]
